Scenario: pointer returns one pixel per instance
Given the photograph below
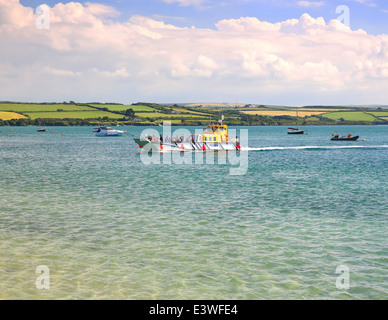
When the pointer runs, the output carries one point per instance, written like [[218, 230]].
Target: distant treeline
[[243, 120]]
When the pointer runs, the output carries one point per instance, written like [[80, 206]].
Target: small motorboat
[[349, 137], [108, 132]]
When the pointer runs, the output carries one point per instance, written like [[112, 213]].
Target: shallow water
[[110, 227]]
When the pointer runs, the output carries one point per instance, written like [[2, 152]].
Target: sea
[[85, 217]]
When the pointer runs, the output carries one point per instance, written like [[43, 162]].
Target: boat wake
[[312, 148], [280, 148]]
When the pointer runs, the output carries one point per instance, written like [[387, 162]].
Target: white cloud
[[186, 3], [98, 9], [60, 72], [85, 57], [365, 2], [311, 4]]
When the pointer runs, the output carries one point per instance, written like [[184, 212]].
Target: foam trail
[[312, 148]]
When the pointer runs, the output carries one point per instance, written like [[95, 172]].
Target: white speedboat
[[108, 132]]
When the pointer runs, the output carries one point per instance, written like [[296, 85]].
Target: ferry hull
[[214, 137], [187, 146]]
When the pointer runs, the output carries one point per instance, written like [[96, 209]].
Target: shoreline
[[153, 114], [192, 125]]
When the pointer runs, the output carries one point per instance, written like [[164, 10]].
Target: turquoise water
[[109, 227]]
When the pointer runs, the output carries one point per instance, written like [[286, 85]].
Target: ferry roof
[[216, 127]]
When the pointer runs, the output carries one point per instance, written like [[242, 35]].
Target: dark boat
[[344, 138], [42, 128], [295, 131]]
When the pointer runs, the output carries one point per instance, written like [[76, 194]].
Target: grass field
[[322, 109], [215, 105], [118, 107], [273, 113], [189, 111], [73, 115], [42, 107], [379, 113], [167, 116], [10, 111], [350, 116], [10, 115], [55, 111]]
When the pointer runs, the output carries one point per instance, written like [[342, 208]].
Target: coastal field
[[95, 114], [333, 114], [292, 113], [5, 115], [53, 111], [380, 114], [143, 111], [167, 116], [153, 113], [122, 107], [27, 107], [184, 110], [351, 116]]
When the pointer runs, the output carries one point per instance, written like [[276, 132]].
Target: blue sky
[[369, 15], [240, 51]]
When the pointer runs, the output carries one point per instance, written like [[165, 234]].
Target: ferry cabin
[[215, 133]]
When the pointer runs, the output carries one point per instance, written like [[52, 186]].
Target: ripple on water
[[117, 229]]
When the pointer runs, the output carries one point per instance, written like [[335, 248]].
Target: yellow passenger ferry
[[214, 137]]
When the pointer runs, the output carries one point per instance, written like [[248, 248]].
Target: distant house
[[175, 112], [136, 120]]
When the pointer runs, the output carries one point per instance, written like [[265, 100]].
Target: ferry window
[[205, 139]]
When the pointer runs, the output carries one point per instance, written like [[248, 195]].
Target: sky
[[320, 52]]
